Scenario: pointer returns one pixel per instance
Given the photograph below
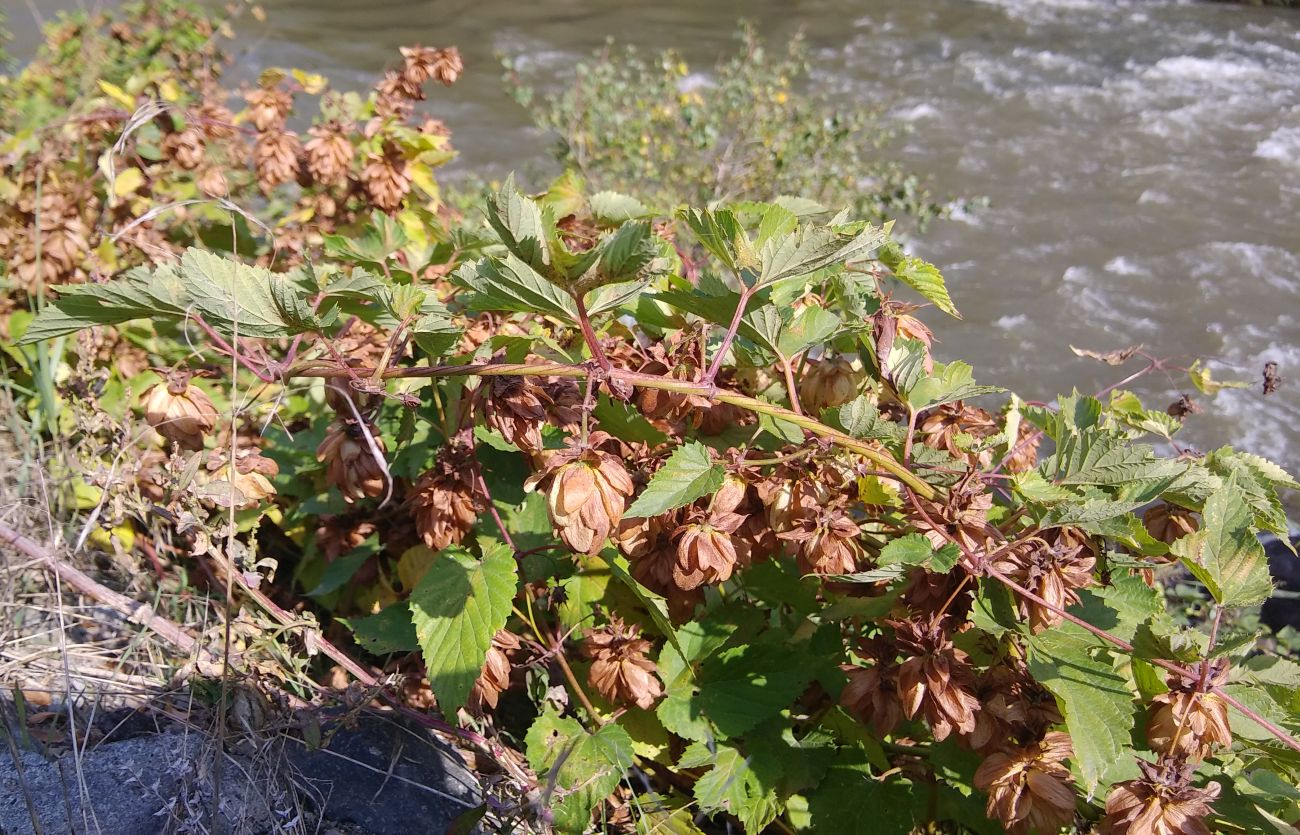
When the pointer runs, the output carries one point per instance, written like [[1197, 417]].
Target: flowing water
[[1142, 159]]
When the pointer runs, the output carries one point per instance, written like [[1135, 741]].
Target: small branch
[[718, 358], [589, 335], [573, 683], [225, 347], [133, 611], [792, 391]]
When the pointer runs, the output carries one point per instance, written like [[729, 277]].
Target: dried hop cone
[[269, 107], [827, 384], [936, 681], [495, 677], [1186, 722], [185, 148], [586, 491], [329, 154], [276, 158], [1162, 801], [444, 501], [827, 542], [620, 670], [350, 462], [1029, 786], [386, 178], [426, 62], [516, 407], [872, 692], [707, 550], [252, 476], [180, 411], [1054, 568], [1169, 523]]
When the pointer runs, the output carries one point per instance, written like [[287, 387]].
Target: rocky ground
[[379, 777]]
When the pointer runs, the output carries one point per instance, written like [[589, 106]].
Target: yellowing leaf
[[1206, 384], [413, 563], [127, 181], [117, 94], [312, 82], [169, 90]]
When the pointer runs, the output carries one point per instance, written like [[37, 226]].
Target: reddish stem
[[225, 348], [730, 337], [589, 335]]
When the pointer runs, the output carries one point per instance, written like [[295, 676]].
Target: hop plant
[[179, 410], [586, 489]]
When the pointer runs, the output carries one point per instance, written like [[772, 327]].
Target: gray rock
[[380, 778]]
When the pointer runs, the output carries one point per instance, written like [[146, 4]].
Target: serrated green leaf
[[811, 248], [812, 325], [921, 276], [955, 381], [861, 419], [688, 474], [1225, 554], [511, 284], [1095, 700], [851, 801], [457, 606], [388, 631], [732, 785], [742, 686], [578, 768], [610, 207], [1032, 487], [522, 227], [716, 231]]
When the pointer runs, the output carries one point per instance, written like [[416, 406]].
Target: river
[[1142, 160]]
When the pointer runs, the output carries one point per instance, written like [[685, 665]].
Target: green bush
[[757, 129]]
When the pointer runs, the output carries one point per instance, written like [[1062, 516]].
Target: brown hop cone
[[1169, 523], [936, 681], [586, 491], [962, 516], [386, 178], [620, 670], [706, 550], [269, 108], [495, 677], [252, 475], [941, 427], [329, 154], [350, 464], [789, 499], [947, 596], [1023, 455], [179, 410], [1053, 567], [1187, 723], [565, 408], [395, 91], [516, 407], [872, 692], [426, 62], [215, 120], [1029, 787], [826, 542], [1162, 801], [1013, 707], [185, 148], [212, 182], [827, 384], [444, 501], [276, 158]]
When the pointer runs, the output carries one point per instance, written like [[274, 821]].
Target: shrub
[[743, 536], [120, 148], [757, 129]]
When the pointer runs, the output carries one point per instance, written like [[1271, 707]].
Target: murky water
[[1142, 159]]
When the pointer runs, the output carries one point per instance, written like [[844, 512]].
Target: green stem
[[878, 456]]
